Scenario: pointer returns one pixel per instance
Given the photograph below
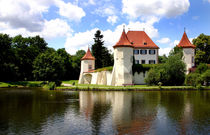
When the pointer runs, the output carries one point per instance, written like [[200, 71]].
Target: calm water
[[31, 111]]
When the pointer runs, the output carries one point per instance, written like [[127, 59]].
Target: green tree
[[8, 70], [76, 63], [202, 43], [162, 59], [170, 73], [201, 68], [49, 66], [100, 52]]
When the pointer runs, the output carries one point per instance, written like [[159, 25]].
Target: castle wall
[[189, 55], [139, 78]]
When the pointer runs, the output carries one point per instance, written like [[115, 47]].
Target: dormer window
[[145, 43]]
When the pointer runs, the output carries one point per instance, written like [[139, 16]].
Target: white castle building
[[135, 44]]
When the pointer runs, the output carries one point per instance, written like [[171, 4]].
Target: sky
[[71, 24]]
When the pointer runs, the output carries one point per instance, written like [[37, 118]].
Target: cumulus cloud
[[165, 51], [69, 10], [52, 29], [112, 19], [82, 40], [161, 8], [23, 14], [164, 40]]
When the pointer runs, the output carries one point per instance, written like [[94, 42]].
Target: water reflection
[[29, 111]]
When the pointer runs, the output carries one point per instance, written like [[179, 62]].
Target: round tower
[[123, 61], [188, 51], [87, 64]]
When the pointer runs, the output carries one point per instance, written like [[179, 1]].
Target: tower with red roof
[[87, 65], [188, 51], [123, 61]]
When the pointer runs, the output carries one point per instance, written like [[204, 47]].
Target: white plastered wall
[[147, 56], [189, 55], [85, 68], [123, 61], [139, 78]]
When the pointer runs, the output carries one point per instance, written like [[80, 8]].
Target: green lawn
[[21, 84]]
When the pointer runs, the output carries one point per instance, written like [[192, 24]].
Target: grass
[[21, 84], [132, 87]]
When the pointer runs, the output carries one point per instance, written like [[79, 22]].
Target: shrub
[[51, 85], [193, 79], [201, 68], [58, 83], [206, 77]]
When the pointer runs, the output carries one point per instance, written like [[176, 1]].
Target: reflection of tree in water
[[99, 113], [30, 109]]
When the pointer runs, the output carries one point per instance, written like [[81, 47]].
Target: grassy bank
[[21, 84], [73, 85]]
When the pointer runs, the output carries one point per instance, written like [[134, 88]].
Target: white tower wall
[[123, 61], [188, 57]]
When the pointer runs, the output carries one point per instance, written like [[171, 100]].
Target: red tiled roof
[[185, 42], [88, 56], [141, 40], [123, 42]]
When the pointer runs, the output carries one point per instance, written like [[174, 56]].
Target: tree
[[101, 53], [49, 66], [170, 73], [8, 70], [76, 62], [202, 43], [162, 59]]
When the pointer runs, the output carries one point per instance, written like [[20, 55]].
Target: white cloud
[[81, 40], [165, 51], [69, 10], [24, 14], [104, 11], [52, 29], [164, 40], [161, 8], [112, 19], [56, 28]]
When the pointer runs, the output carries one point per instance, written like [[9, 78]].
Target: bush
[[51, 85], [206, 77], [58, 83], [193, 79], [201, 68]]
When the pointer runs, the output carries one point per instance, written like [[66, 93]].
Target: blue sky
[[71, 24]]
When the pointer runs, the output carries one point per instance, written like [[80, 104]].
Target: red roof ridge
[[123, 41], [88, 56], [185, 42]]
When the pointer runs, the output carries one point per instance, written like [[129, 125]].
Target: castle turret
[[87, 64], [123, 61], [188, 51]]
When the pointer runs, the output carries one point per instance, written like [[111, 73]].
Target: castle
[[135, 44]]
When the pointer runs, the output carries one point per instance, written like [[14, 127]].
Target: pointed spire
[[88, 56], [185, 42], [123, 41]]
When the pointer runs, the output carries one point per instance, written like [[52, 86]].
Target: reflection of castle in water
[[130, 112]]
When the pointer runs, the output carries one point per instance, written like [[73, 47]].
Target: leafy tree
[[101, 53], [49, 66], [8, 70], [76, 63], [206, 77], [170, 73], [67, 64], [201, 68], [202, 43], [193, 79], [162, 59]]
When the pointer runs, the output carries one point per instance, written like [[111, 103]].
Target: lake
[[34, 111]]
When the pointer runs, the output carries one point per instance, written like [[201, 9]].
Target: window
[[89, 67], [136, 61], [151, 61], [145, 43], [192, 59], [143, 51], [142, 61], [151, 51], [136, 51]]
